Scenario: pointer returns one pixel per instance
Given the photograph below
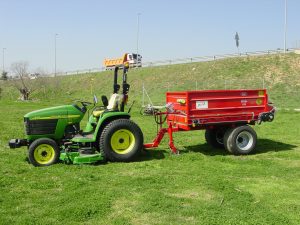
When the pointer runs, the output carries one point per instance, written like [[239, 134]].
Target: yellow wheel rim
[[44, 154], [122, 141]]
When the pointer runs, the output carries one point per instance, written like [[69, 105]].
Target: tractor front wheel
[[43, 152], [121, 140]]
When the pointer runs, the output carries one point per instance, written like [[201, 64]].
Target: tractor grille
[[36, 127]]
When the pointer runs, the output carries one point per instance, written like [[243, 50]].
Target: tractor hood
[[69, 112]]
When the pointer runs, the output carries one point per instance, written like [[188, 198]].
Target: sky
[[91, 30]]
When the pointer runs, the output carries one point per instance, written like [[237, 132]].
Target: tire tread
[[108, 153]]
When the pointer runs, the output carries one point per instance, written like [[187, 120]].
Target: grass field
[[200, 186]]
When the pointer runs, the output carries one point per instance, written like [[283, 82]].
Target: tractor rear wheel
[[43, 152], [240, 140], [121, 140], [215, 137]]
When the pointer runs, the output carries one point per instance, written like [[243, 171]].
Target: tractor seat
[[114, 102], [112, 105]]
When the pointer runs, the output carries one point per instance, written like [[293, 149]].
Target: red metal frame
[[198, 110], [161, 133]]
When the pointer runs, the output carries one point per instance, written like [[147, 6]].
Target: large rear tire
[[43, 152], [215, 137], [240, 140], [121, 140]]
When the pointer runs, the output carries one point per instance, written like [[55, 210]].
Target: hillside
[[280, 74]]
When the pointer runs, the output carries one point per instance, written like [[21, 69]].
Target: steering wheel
[[83, 103], [86, 103]]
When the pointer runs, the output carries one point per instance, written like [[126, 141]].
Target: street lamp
[[3, 49], [285, 24], [55, 54]]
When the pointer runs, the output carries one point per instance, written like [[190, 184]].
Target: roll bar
[[125, 85]]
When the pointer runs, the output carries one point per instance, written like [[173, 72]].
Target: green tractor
[[54, 134]]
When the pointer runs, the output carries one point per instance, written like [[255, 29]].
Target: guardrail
[[183, 61]]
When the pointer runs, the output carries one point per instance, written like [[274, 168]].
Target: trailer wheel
[[121, 140], [43, 152], [215, 137], [240, 140]]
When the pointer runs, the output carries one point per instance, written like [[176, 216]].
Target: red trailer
[[224, 114]]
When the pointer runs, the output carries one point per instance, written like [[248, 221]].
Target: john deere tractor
[[54, 134]]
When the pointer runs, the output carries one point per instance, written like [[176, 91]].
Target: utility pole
[[55, 54], [3, 49], [137, 33], [285, 25]]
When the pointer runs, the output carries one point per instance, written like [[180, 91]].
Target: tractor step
[[83, 138]]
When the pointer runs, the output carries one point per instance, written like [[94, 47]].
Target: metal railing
[[182, 61]]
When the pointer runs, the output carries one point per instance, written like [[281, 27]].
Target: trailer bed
[[224, 114], [199, 109]]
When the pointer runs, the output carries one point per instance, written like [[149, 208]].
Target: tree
[[4, 75], [26, 82], [20, 69]]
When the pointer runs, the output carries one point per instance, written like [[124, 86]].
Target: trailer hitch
[[266, 117]]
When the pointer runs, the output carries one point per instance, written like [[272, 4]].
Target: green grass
[[200, 186]]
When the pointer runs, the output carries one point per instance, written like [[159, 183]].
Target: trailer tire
[[43, 152], [240, 140], [215, 137], [121, 140]]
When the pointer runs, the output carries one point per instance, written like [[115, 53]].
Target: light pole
[[3, 49], [55, 54], [285, 24], [137, 33]]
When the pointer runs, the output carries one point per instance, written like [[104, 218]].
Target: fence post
[[143, 100]]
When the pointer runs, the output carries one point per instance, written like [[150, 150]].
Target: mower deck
[[77, 158]]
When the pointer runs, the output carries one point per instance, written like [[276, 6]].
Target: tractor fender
[[106, 119]]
